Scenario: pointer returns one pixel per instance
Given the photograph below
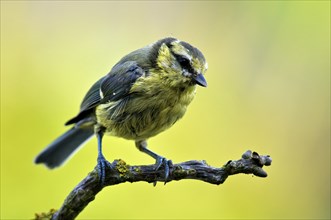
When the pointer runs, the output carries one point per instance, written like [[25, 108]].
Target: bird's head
[[179, 62]]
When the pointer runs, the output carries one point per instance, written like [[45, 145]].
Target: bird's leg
[[142, 146], [102, 162]]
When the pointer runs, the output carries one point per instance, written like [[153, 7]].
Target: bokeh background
[[268, 90]]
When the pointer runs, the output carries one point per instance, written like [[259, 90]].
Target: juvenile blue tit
[[145, 93]]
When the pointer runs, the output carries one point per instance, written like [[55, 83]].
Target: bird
[[145, 93]]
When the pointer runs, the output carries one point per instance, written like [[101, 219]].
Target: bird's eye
[[184, 62]]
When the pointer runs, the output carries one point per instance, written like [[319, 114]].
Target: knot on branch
[[249, 163]]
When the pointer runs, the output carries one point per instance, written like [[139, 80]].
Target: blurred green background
[[268, 90]]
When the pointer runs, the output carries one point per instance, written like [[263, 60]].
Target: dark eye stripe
[[184, 63]]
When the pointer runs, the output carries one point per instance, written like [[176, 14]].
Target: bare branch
[[86, 190]]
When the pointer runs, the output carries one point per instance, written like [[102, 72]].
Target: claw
[[102, 166], [167, 168], [159, 162], [142, 146], [166, 163]]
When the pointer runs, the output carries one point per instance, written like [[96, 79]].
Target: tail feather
[[65, 145]]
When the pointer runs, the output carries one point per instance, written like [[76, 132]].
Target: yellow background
[[268, 90]]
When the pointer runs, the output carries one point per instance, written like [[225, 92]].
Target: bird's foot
[[167, 165], [102, 166]]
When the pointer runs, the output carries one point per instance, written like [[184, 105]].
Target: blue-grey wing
[[114, 86], [92, 97], [117, 84]]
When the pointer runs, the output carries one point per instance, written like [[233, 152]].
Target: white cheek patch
[[186, 73]]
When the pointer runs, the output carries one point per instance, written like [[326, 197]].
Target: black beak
[[200, 80]]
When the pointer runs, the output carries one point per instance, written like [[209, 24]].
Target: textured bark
[[86, 190]]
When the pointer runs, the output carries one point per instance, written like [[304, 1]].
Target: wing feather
[[113, 87]]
